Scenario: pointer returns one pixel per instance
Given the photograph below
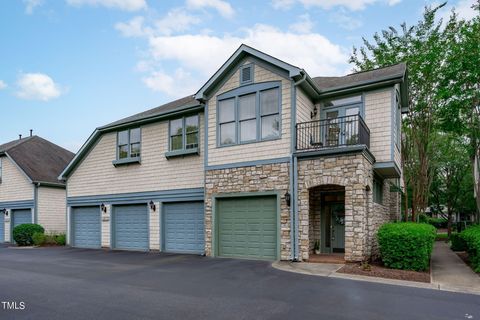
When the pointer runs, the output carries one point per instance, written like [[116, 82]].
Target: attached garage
[[86, 227], [247, 227], [21, 216], [183, 226], [130, 227]]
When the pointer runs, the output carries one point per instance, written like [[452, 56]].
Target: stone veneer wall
[[268, 177], [354, 172]]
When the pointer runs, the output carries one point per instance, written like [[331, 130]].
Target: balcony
[[332, 133]]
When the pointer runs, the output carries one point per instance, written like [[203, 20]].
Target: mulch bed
[[464, 256], [378, 270]]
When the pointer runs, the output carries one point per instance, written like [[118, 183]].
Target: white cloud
[[176, 20], [464, 9], [223, 8], [37, 86], [31, 4], [3, 85], [304, 25], [126, 5], [133, 28], [353, 5], [177, 84], [345, 21], [312, 51]]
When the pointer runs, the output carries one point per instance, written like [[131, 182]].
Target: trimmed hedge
[[22, 234], [439, 223], [471, 236], [52, 239], [406, 245], [457, 243]]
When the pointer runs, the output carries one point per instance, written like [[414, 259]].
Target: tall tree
[[460, 84], [421, 47]]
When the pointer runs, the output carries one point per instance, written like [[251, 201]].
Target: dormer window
[[246, 74]]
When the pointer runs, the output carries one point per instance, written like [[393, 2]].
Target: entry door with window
[[333, 229], [340, 126]]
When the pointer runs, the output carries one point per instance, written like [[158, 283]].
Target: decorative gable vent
[[246, 74]]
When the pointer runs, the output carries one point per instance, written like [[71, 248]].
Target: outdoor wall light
[[313, 113], [287, 198], [103, 207], [5, 212], [367, 188], [152, 205]]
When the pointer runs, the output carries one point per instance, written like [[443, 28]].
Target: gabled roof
[[238, 55], [39, 159], [170, 109]]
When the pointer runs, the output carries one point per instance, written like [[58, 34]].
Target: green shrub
[[423, 218], [22, 234], [441, 236], [457, 243], [60, 239], [50, 239], [38, 238], [439, 223], [471, 236], [406, 245]]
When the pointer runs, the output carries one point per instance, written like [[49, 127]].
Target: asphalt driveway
[[66, 283]]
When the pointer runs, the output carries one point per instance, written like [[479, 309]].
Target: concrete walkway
[[450, 273]]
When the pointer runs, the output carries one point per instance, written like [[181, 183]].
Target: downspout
[[293, 174]]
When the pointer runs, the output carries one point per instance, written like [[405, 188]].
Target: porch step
[[327, 258]]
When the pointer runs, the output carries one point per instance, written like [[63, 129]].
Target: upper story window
[[246, 74], [128, 143], [1, 170], [249, 114], [184, 133]]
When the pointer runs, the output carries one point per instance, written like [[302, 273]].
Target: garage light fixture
[[103, 207], [152, 205], [287, 198], [5, 212]]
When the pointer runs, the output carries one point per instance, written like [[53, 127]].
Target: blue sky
[[68, 66]]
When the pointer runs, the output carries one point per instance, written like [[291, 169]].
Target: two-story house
[[262, 162], [29, 189]]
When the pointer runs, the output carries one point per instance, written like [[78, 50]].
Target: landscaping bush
[[22, 234], [439, 223], [441, 237], [457, 243], [406, 245], [38, 238], [471, 236], [60, 239]]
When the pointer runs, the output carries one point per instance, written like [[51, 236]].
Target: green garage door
[[247, 227], [130, 227]]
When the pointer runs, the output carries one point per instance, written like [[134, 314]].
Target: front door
[[333, 228]]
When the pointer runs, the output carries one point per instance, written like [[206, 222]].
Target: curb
[[333, 274]]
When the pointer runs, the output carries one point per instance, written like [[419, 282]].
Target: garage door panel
[[184, 227], [131, 227], [247, 227], [86, 227], [21, 216]]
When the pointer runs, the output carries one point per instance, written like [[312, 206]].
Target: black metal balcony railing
[[331, 133]]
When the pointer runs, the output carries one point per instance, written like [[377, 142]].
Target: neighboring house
[[262, 162], [29, 189]]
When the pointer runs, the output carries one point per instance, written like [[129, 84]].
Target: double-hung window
[[128, 144], [249, 114], [183, 135]]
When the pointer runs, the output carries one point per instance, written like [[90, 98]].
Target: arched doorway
[[327, 222]]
